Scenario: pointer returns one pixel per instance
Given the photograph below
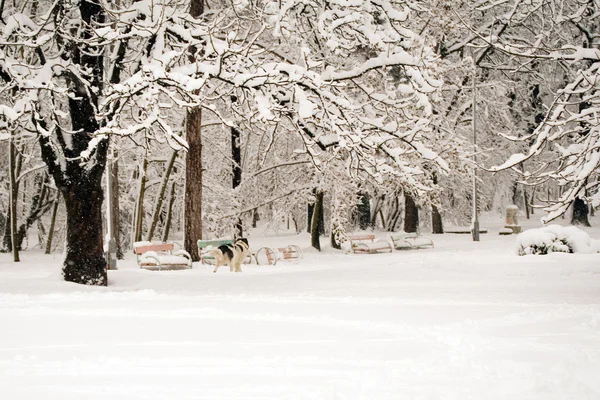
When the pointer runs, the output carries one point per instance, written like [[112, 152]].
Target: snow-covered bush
[[556, 238]]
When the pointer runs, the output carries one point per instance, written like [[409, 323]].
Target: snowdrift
[[556, 239]]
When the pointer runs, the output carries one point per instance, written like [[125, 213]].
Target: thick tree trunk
[[580, 213], [411, 214], [315, 233], [192, 230], [84, 260], [193, 183]]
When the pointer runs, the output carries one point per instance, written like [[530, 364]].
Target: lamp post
[[475, 231]]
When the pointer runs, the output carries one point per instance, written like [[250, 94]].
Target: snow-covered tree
[[80, 72]]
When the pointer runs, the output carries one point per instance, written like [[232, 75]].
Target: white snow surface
[[461, 321]]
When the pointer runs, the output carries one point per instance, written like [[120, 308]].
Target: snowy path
[[461, 321]]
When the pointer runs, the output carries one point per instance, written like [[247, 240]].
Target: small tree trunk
[[437, 225], [139, 209], [52, 226], [411, 214], [36, 210], [317, 217], [161, 196], [364, 211], [436, 220], [236, 156], [580, 213], [167, 228], [526, 201]]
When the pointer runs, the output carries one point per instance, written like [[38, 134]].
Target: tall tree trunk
[[167, 227], [161, 195], [116, 209], [236, 155], [192, 230], [316, 221], [52, 225], [37, 209], [139, 209], [580, 213], [193, 183], [411, 214], [12, 153]]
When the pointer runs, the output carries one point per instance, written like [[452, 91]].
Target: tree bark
[[193, 183], [116, 208], [161, 195], [12, 153], [364, 211], [37, 209], [316, 224], [236, 155], [437, 225], [580, 213], [139, 209], [192, 230], [411, 214], [84, 261], [167, 227], [52, 226]]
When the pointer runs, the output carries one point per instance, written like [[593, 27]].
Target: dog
[[231, 254]]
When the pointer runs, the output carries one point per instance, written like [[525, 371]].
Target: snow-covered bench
[[205, 246], [270, 256], [410, 240], [367, 244], [161, 256]]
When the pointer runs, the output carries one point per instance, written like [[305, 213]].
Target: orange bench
[[161, 256]]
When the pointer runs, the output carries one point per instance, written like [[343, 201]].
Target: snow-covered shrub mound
[[556, 238]]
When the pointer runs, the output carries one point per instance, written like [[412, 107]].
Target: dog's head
[[242, 243]]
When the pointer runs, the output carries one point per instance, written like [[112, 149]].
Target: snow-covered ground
[[461, 321]]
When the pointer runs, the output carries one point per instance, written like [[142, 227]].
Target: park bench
[[161, 256], [410, 241], [270, 256], [366, 243], [204, 246]]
